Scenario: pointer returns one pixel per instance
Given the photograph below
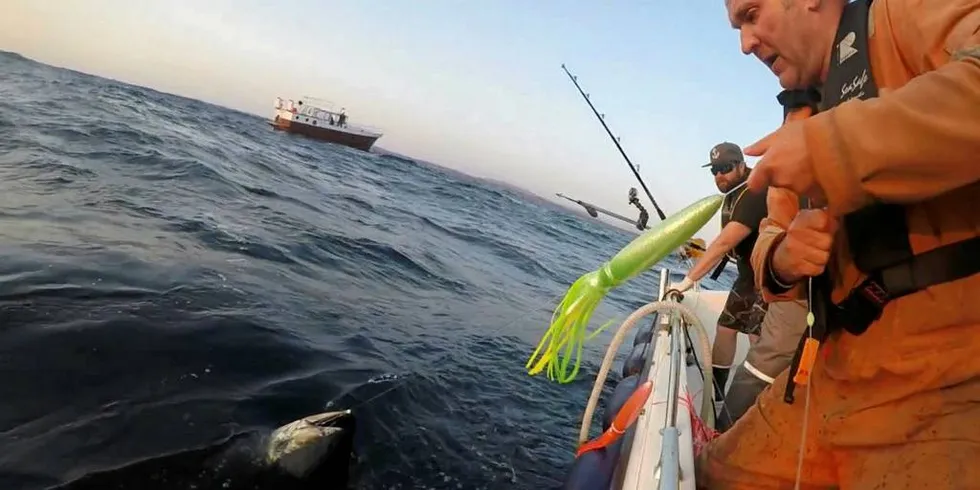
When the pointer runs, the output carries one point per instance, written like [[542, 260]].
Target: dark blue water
[[173, 272]]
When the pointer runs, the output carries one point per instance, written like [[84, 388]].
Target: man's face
[[728, 175], [779, 33]]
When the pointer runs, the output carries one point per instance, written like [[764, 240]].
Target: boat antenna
[[615, 141]]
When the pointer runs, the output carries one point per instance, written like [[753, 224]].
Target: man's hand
[[805, 250], [682, 286], [785, 162]]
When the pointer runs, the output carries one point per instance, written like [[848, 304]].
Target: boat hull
[[339, 136], [634, 462]]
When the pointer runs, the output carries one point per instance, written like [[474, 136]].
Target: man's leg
[[941, 449], [722, 356], [761, 450], [782, 327], [927, 440], [743, 312], [745, 388]]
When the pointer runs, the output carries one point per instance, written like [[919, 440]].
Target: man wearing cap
[[740, 216], [886, 392]]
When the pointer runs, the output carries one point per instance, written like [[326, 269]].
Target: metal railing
[[670, 462]]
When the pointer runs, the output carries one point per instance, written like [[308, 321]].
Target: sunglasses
[[722, 168]]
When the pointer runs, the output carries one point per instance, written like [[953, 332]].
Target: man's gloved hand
[[682, 286]]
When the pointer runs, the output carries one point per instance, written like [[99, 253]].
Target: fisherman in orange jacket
[[885, 392]]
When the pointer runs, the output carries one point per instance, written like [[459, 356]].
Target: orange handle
[[807, 358], [625, 417]]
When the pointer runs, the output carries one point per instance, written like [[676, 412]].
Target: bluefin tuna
[[314, 452]]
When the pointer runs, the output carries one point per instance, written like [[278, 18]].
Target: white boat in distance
[[311, 117]]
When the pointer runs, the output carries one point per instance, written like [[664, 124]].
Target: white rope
[[690, 319]]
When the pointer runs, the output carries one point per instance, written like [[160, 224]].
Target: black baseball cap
[[725, 153]]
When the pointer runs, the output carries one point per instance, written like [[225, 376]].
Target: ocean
[[174, 272]]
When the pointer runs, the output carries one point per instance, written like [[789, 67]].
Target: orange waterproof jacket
[[918, 144]]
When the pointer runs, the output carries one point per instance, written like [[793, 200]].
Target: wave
[[175, 271]]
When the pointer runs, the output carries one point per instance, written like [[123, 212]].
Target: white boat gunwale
[[658, 450]]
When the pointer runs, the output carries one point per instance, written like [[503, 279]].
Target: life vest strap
[[940, 265], [864, 304]]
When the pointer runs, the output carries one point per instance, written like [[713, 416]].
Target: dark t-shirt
[[748, 208]]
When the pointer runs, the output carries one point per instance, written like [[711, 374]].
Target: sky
[[472, 85]]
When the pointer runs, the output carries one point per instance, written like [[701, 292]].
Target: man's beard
[[726, 187]]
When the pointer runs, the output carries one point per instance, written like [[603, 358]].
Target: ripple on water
[[175, 272]]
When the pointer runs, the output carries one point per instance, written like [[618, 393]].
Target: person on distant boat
[[641, 223], [886, 391], [342, 118], [741, 213]]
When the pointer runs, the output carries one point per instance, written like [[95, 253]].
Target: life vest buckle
[[875, 292], [861, 308]]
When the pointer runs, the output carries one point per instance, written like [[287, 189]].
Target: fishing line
[[806, 403], [733, 189]]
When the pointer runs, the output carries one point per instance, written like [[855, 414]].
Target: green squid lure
[[570, 320]]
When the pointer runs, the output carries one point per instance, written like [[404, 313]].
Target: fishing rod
[[615, 141], [594, 211]]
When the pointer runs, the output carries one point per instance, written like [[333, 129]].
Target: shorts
[[744, 309], [782, 327]]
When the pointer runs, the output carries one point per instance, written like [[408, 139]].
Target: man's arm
[[731, 235], [783, 205], [920, 140], [749, 210]]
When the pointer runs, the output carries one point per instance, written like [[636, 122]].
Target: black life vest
[[728, 206], [877, 235]]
